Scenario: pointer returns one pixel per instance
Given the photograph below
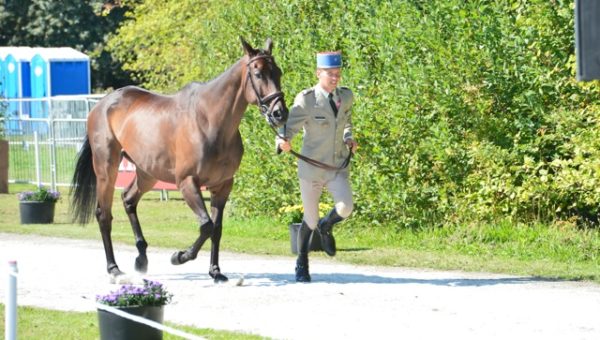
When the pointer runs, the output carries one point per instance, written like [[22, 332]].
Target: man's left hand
[[352, 145]]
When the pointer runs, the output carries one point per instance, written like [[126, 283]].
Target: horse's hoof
[[177, 258], [220, 278], [215, 273], [141, 264], [115, 274], [114, 271]]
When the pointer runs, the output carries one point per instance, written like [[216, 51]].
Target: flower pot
[[315, 239], [33, 212], [114, 327]]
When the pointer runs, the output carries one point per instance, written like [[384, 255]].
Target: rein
[[315, 162]]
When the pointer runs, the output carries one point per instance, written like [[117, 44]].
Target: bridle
[[266, 105]]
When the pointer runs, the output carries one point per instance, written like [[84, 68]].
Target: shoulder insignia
[[307, 91]]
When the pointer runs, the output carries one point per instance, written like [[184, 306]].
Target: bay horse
[[190, 138]]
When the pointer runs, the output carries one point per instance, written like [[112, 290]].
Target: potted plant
[[146, 301], [37, 206], [292, 215]]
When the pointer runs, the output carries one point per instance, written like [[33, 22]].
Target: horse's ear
[[247, 48], [269, 45]]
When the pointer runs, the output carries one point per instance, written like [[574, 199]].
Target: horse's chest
[[220, 163]]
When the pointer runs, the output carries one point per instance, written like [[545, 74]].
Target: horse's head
[[263, 85]]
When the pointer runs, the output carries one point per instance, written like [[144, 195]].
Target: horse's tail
[[83, 186]]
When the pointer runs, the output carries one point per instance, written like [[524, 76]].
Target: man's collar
[[322, 91]]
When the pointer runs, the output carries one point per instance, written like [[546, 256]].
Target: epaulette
[[307, 91]]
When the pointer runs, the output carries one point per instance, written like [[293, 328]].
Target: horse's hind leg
[[106, 164], [131, 197]]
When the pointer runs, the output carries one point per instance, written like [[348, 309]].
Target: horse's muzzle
[[279, 116]]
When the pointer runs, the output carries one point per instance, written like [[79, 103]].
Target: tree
[[83, 25]]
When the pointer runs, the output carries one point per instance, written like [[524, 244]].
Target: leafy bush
[[464, 110]]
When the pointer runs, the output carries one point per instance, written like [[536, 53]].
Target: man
[[324, 113]]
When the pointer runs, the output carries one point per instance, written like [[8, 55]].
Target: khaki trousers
[[311, 191]]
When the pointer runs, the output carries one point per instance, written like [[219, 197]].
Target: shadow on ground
[[278, 279]]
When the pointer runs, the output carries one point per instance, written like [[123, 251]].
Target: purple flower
[[152, 293], [40, 195]]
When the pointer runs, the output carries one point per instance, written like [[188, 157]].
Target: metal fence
[[45, 136]]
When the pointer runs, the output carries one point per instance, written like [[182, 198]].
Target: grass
[[563, 252], [560, 252], [40, 323]]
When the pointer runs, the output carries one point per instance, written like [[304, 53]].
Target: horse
[[190, 138]]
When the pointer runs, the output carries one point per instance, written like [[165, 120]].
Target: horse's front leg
[[218, 200], [193, 197]]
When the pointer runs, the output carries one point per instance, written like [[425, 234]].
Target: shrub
[[463, 110]]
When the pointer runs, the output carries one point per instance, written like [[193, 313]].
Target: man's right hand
[[285, 146]]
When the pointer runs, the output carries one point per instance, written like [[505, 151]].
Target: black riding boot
[[325, 228], [303, 240]]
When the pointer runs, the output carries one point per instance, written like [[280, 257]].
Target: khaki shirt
[[324, 134]]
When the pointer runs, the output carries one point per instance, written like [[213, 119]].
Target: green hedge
[[465, 110]]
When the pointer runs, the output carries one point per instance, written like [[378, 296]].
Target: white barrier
[[10, 315]]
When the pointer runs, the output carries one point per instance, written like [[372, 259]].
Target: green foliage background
[[465, 110]]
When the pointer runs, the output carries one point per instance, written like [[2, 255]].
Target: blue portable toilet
[[11, 77], [60, 71], [39, 86], [17, 59], [17, 79]]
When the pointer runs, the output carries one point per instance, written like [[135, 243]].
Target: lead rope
[[315, 162]]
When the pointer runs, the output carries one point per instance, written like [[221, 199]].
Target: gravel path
[[343, 301]]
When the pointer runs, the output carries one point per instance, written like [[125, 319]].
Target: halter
[[267, 103]]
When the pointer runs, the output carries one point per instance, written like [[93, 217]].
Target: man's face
[[329, 78]]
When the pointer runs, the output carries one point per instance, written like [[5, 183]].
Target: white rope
[[147, 322]]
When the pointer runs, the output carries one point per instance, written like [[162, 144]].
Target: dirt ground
[[343, 301]]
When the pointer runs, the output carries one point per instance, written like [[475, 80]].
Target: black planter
[[36, 212], [315, 239], [114, 327]]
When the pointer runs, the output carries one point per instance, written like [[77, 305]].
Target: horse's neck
[[224, 102]]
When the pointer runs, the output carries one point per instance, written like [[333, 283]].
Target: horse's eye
[[258, 75]]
